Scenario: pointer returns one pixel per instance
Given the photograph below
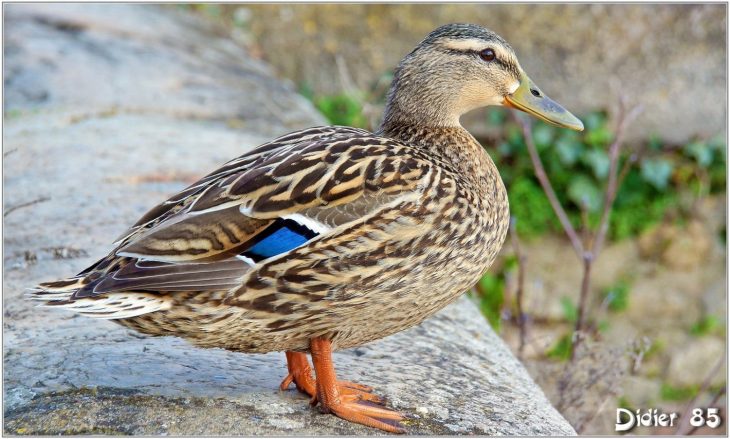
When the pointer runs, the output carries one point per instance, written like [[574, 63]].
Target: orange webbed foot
[[350, 401], [300, 373], [361, 412]]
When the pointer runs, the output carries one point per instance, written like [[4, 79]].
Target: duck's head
[[460, 67]]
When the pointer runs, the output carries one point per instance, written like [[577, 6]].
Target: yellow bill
[[530, 99]]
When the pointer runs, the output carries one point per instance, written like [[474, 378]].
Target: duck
[[329, 237]]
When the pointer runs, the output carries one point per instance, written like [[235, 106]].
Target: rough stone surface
[[99, 60], [669, 57], [89, 155], [679, 247], [695, 362], [691, 249]]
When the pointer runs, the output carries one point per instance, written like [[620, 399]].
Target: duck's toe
[[350, 401], [300, 373], [364, 413]]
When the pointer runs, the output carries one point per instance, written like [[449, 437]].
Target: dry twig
[[547, 187], [12, 209], [589, 248], [684, 428], [521, 260]]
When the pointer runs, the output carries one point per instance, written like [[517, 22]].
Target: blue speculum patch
[[282, 236]]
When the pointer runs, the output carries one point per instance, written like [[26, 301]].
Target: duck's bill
[[530, 99]]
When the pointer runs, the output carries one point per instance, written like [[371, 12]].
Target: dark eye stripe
[[505, 65]]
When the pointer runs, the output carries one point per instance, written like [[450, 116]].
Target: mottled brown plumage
[[325, 238]]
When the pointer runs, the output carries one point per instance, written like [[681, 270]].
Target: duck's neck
[[451, 144], [431, 122], [415, 99], [406, 121], [434, 115]]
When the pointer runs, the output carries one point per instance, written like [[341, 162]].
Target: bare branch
[[624, 120], [585, 286], [12, 209], [547, 186], [684, 429], [587, 249], [521, 260]]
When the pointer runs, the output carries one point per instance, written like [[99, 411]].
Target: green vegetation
[[491, 292], [578, 165], [671, 393], [708, 324], [570, 311], [624, 402], [617, 296], [13, 113], [491, 298], [655, 348], [342, 110], [562, 349]]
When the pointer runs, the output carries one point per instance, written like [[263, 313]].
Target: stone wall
[[671, 57]]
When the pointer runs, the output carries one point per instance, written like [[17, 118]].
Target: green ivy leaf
[[599, 136], [583, 192], [656, 172], [594, 120], [700, 152], [599, 162], [568, 149], [543, 135]]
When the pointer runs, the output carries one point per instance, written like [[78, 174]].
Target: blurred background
[[651, 313], [655, 311]]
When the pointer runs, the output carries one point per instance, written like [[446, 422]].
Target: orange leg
[[300, 373], [334, 397]]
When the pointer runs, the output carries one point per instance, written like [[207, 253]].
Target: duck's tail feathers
[[120, 305]]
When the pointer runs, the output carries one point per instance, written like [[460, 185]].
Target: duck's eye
[[487, 55]]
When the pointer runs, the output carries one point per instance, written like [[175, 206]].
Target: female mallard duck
[[329, 237]]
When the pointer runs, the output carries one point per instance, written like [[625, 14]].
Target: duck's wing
[[279, 197], [279, 147]]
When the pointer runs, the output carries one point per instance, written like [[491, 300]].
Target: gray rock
[[675, 303], [102, 60], [691, 248], [691, 365], [77, 173], [640, 391]]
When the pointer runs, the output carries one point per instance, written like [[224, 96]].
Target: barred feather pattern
[[414, 218]]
